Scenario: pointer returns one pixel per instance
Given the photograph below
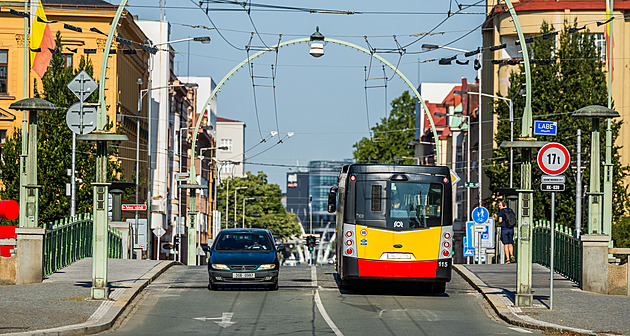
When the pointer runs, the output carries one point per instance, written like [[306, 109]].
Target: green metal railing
[[567, 254], [70, 239]]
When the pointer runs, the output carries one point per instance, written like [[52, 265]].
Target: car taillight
[[349, 251], [445, 253]]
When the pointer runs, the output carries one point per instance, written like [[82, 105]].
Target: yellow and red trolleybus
[[394, 222]]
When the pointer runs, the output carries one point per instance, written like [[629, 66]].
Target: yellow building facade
[[126, 65], [500, 29]]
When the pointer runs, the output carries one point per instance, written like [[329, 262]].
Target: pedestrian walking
[[507, 219]]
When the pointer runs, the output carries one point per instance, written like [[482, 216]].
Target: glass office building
[[321, 176]]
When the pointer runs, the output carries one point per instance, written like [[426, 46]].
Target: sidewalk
[[574, 311], [60, 305]]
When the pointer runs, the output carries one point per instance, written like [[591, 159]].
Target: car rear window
[[243, 241]]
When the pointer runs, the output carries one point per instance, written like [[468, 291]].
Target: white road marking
[[521, 330], [313, 276], [320, 306], [225, 319]]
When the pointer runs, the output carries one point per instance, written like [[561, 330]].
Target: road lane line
[[320, 306], [322, 311], [313, 277]]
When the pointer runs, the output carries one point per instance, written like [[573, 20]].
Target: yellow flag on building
[[42, 40]]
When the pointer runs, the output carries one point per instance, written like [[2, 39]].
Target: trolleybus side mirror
[[332, 200]]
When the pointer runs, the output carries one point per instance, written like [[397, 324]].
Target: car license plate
[[398, 256], [243, 275]]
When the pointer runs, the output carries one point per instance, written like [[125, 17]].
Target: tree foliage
[[391, 135], [573, 80], [263, 206], [54, 142]]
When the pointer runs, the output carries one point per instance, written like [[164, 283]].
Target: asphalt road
[[308, 303]]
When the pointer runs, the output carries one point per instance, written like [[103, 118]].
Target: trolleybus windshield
[[399, 205]]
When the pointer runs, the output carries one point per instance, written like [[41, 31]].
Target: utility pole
[[100, 289], [526, 143], [608, 166], [578, 187]]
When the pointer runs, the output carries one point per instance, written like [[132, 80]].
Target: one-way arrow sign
[[225, 319]]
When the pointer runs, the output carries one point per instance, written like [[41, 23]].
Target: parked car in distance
[[243, 257]]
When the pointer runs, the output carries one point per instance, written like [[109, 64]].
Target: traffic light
[[310, 242]]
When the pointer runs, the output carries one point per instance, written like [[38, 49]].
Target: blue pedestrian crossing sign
[[480, 215], [468, 251]]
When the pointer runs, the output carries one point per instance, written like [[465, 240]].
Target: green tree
[[55, 146], [263, 208], [564, 79], [391, 135]]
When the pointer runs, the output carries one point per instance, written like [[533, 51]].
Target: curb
[[111, 312], [495, 298]]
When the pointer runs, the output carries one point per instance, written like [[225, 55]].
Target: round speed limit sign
[[553, 158]]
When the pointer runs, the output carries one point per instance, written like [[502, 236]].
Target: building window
[[4, 70], [228, 143], [67, 61], [226, 168], [600, 44]]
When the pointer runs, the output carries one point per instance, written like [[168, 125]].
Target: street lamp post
[[467, 120], [235, 190], [202, 39], [246, 199], [595, 113], [510, 104]]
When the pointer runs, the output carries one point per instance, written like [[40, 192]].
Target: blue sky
[[321, 100]]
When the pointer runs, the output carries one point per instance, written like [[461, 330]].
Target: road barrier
[[567, 254], [70, 239]]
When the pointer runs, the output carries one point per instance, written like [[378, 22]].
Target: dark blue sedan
[[244, 257]]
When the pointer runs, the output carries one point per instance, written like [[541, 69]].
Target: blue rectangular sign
[[470, 234], [468, 252], [545, 127]]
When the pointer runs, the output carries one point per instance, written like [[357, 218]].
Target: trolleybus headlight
[[349, 251], [348, 233], [447, 244], [447, 235], [348, 242]]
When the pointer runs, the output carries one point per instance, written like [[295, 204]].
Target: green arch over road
[[192, 173]]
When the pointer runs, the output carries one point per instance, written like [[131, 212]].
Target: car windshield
[[243, 241]]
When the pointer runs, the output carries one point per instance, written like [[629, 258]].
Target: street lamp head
[[317, 44], [191, 85], [139, 80], [202, 39], [595, 111], [460, 93], [223, 147], [429, 47]]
